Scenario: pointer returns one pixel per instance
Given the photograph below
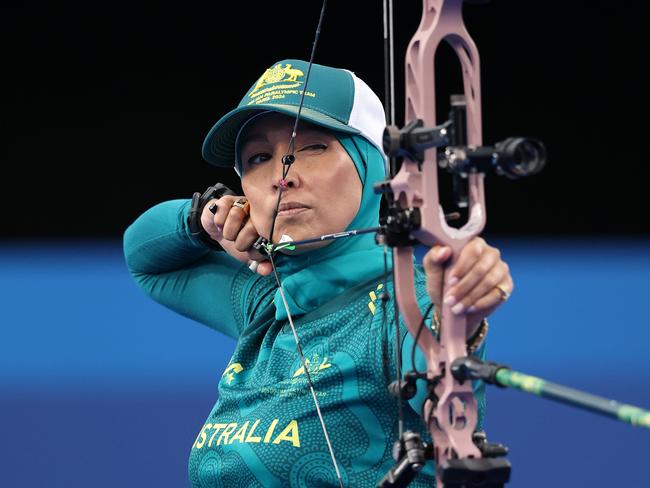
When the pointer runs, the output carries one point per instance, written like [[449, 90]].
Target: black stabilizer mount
[[411, 141], [411, 455], [475, 473], [406, 388], [472, 368], [398, 223], [488, 449]]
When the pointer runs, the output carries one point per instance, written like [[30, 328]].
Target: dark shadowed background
[[105, 107], [104, 110]]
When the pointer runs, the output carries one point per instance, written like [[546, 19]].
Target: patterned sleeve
[[181, 273]]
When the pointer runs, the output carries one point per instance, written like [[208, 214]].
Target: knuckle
[[493, 279], [471, 298], [482, 269], [428, 261], [477, 250], [206, 221], [225, 203], [235, 219], [230, 231], [220, 217]]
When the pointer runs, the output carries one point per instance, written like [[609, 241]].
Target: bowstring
[[308, 375], [287, 160], [389, 97]]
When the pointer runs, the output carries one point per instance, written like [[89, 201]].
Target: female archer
[[304, 400]]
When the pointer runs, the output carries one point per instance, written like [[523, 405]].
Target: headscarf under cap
[[314, 277]]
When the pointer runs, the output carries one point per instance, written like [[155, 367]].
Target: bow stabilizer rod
[[471, 368]]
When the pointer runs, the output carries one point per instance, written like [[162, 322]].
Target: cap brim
[[219, 145]]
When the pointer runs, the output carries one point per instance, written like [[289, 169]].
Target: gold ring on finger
[[243, 204], [505, 294]]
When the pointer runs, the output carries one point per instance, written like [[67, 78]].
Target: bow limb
[[452, 416]]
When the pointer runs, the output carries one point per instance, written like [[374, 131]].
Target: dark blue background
[[102, 387]]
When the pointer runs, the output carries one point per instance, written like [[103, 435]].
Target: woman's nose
[[285, 175]]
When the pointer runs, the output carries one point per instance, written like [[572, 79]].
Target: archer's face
[[323, 189]]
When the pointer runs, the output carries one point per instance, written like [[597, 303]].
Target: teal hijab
[[315, 277]]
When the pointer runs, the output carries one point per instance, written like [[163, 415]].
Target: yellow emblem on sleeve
[[231, 371], [373, 298]]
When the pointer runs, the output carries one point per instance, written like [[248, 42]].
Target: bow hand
[[476, 285]]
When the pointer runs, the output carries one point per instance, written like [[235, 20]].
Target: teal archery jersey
[[263, 430]]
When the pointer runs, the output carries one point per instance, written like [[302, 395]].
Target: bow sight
[[514, 157]]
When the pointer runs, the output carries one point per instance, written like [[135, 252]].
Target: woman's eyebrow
[[262, 137], [255, 137], [313, 130]]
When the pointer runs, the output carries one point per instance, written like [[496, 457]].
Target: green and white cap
[[335, 99]]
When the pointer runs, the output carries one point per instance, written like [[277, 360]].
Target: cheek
[[252, 193], [344, 190], [251, 188], [349, 180]]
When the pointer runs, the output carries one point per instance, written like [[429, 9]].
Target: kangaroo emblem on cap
[[277, 74]]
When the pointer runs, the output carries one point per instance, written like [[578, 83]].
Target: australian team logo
[[276, 83], [278, 74], [317, 360]]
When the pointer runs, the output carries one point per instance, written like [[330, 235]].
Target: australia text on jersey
[[222, 433]]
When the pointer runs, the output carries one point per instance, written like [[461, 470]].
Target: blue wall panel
[[101, 387]]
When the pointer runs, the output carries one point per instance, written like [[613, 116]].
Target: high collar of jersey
[[315, 277]]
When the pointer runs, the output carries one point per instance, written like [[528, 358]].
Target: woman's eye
[[258, 158], [315, 147]]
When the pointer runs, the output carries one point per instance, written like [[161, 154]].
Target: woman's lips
[[288, 209], [291, 211]]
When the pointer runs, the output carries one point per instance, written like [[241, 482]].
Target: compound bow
[[463, 458]]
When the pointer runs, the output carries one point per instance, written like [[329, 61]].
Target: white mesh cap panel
[[368, 113]]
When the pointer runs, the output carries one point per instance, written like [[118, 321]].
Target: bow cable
[[389, 97], [389, 64]]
